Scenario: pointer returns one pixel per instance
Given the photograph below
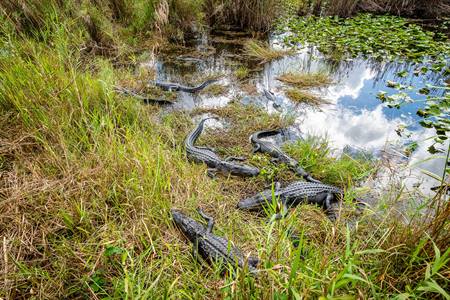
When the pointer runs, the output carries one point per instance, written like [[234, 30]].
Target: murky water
[[354, 118]]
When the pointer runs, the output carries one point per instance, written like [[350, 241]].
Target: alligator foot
[[256, 148], [253, 261], [207, 218], [212, 172], [310, 179]]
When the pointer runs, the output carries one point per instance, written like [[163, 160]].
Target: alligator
[[211, 247], [271, 96], [212, 160], [169, 86], [278, 155], [145, 99], [294, 194]]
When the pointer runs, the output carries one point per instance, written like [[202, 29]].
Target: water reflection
[[354, 116]]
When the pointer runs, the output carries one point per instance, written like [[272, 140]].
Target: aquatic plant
[[260, 51], [434, 114], [306, 80], [406, 8], [300, 96], [380, 37]]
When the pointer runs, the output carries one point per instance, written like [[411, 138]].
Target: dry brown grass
[[306, 80], [259, 50], [300, 96]]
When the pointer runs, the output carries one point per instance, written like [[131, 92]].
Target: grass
[[260, 51], [242, 72], [88, 179], [214, 90], [306, 80], [300, 96]]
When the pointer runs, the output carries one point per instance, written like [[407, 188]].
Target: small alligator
[[168, 86], [211, 247], [278, 155], [212, 160], [271, 96], [294, 194], [145, 99]]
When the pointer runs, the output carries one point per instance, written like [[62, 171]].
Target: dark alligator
[[145, 99], [278, 155], [212, 160], [168, 86], [295, 193], [211, 247]]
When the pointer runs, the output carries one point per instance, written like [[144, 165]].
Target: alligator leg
[[207, 218], [253, 261], [211, 172], [230, 158], [256, 148], [274, 160], [327, 202]]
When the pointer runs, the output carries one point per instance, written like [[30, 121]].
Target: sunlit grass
[[300, 96], [88, 179], [306, 80], [260, 51]]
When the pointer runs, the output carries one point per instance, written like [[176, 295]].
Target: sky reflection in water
[[354, 117]]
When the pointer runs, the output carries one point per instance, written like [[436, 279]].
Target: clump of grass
[[300, 96], [244, 121], [262, 52], [305, 80], [242, 72], [214, 90], [316, 156]]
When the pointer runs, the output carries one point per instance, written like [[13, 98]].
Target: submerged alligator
[[294, 194], [206, 155], [278, 155], [145, 99], [211, 247], [169, 86]]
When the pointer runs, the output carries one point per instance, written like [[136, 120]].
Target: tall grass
[[408, 8], [254, 15]]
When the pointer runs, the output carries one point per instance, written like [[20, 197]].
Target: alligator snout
[[250, 203], [177, 216], [249, 171]]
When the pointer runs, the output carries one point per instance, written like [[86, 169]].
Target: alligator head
[[188, 226], [239, 169], [256, 202]]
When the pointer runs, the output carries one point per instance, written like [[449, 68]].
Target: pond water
[[354, 118]]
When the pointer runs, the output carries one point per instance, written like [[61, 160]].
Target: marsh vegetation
[[88, 176]]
